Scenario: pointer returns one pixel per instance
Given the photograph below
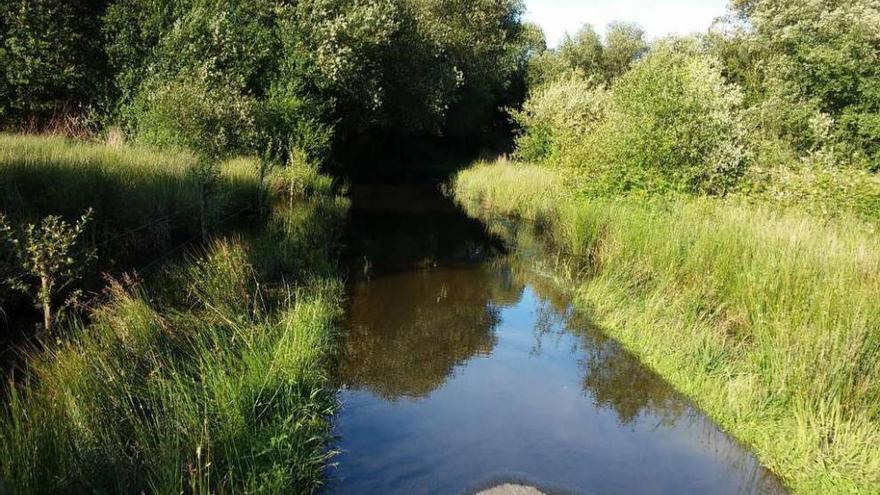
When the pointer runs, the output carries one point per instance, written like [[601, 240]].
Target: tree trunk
[[47, 304]]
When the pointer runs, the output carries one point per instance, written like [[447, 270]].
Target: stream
[[463, 367]]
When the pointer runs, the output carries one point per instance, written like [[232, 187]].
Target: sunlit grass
[[128, 187], [768, 318], [210, 376]]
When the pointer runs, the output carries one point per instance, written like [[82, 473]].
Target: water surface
[[463, 368]]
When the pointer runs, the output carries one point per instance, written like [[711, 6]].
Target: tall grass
[[144, 200], [224, 397], [220, 398], [146, 204], [768, 318], [209, 377]]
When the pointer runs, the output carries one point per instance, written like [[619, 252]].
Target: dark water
[[463, 368]]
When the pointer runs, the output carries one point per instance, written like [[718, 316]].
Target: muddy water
[[464, 368]]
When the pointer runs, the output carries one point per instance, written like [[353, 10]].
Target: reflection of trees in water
[[617, 379], [388, 242], [408, 332], [612, 377], [756, 478]]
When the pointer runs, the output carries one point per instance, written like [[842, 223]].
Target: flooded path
[[463, 369]]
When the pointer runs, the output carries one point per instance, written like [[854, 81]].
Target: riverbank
[[768, 319], [207, 376]]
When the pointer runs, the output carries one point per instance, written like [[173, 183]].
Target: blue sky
[[658, 17]]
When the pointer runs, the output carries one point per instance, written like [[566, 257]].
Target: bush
[[675, 125], [191, 113], [814, 185], [669, 124], [557, 116]]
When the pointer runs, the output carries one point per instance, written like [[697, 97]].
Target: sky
[[658, 17]]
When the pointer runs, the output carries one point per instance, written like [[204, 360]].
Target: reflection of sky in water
[[463, 372]]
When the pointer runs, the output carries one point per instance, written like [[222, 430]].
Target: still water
[[464, 368]]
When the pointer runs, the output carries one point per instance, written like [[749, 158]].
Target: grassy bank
[[768, 318], [143, 200], [208, 376], [145, 204]]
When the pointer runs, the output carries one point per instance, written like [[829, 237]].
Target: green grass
[[145, 201], [209, 376], [147, 204], [211, 383], [768, 318]]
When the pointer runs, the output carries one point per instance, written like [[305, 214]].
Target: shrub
[[191, 113], [814, 185], [49, 254], [669, 124], [557, 116], [674, 125]]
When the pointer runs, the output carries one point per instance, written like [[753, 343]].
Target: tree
[[584, 52], [602, 60], [624, 45], [825, 54], [50, 258], [331, 78], [51, 58]]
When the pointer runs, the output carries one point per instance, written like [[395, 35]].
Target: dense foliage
[[265, 76], [587, 53], [670, 123], [814, 64], [51, 59], [778, 101]]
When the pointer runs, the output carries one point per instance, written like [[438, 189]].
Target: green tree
[[480, 43], [329, 78], [602, 60], [822, 55], [51, 58], [624, 45], [584, 52]]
